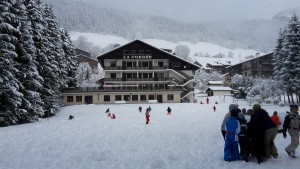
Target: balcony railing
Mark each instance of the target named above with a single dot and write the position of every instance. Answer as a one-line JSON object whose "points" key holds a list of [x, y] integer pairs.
{"points": [[136, 79], [135, 68], [121, 89]]}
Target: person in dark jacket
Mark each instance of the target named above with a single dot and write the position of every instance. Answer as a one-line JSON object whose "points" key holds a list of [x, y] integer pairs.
{"points": [[256, 135], [262, 132], [232, 128], [169, 111], [140, 109], [292, 125], [243, 138]]}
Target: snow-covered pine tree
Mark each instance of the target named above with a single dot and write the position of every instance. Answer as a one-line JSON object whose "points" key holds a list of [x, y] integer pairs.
{"points": [[56, 51], [70, 56], [46, 69], [54, 72], [10, 96], [27, 74], [291, 46]]}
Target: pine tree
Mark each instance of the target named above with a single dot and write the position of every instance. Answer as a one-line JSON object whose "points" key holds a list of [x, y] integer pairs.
{"points": [[27, 74], [291, 47], [70, 56], [10, 95]]}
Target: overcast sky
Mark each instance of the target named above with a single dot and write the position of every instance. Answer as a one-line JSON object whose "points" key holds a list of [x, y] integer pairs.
{"points": [[201, 10]]}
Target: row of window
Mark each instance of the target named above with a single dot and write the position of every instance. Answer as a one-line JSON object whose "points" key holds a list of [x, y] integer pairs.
{"points": [[143, 64], [135, 97], [71, 98], [141, 75], [119, 98]]}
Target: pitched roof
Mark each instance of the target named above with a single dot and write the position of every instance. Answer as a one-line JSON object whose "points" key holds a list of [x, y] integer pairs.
{"points": [[137, 40], [250, 60]]}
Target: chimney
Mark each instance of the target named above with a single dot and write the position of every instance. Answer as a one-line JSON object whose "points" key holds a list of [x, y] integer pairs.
{"points": [[257, 55]]}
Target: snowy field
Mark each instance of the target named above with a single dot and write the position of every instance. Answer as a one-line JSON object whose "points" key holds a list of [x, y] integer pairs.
{"points": [[188, 139]]}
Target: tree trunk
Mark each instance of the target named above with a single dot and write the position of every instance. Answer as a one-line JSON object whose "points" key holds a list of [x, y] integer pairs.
{"points": [[292, 94], [288, 97]]}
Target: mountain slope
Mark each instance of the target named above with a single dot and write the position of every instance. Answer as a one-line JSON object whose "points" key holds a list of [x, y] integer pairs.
{"points": [[79, 16]]}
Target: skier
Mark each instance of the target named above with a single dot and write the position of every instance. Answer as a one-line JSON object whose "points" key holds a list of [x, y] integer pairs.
{"points": [[201, 102], [71, 117], [140, 109], [107, 110], [109, 115], [147, 116], [216, 102], [232, 128], [207, 100], [169, 111], [214, 108], [292, 125]]}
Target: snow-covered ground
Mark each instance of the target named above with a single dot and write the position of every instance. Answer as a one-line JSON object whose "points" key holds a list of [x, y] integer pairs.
{"points": [[188, 139], [203, 47]]}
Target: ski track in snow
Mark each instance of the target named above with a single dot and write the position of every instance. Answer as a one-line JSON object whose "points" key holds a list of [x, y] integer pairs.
{"points": [[188, 139]]}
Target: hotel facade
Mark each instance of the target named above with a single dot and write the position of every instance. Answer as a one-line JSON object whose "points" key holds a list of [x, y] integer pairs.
{"points": [[138, 73]]}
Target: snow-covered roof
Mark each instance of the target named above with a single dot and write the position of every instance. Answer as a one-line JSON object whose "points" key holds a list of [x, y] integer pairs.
{"points": [[153, 47], [249, 60], [215, 82], [220, 88]]}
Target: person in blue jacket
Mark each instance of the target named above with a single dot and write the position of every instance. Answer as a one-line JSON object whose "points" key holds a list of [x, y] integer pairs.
{"points": [[232, 128]]}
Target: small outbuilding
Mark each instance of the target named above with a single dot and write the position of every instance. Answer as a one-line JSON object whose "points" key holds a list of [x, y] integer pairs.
{"points": [[218, 91]]}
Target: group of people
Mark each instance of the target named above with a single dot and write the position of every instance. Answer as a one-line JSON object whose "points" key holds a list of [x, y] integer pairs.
{"points": [[111, 115], [147, 113], [256, 137]]}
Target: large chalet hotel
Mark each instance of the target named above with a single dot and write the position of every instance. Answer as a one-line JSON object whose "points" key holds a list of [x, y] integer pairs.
{"points": [[139, 73]]}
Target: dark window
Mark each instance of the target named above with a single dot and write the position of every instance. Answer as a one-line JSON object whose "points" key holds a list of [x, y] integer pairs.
{"points": [[151, 97], [113, 75], [118, 97], [129, 75], [113, 64], [133, 51], [134, 75], [143, 97], [145, 75], [145, 64], [160, 75], [107, 98], [160, 64], [148, 51], [78, 98], [135, 98], [127, 97], [69, 98], [141, 51], [125, 51], [170, 97], [129, 64], [134, 64]]}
